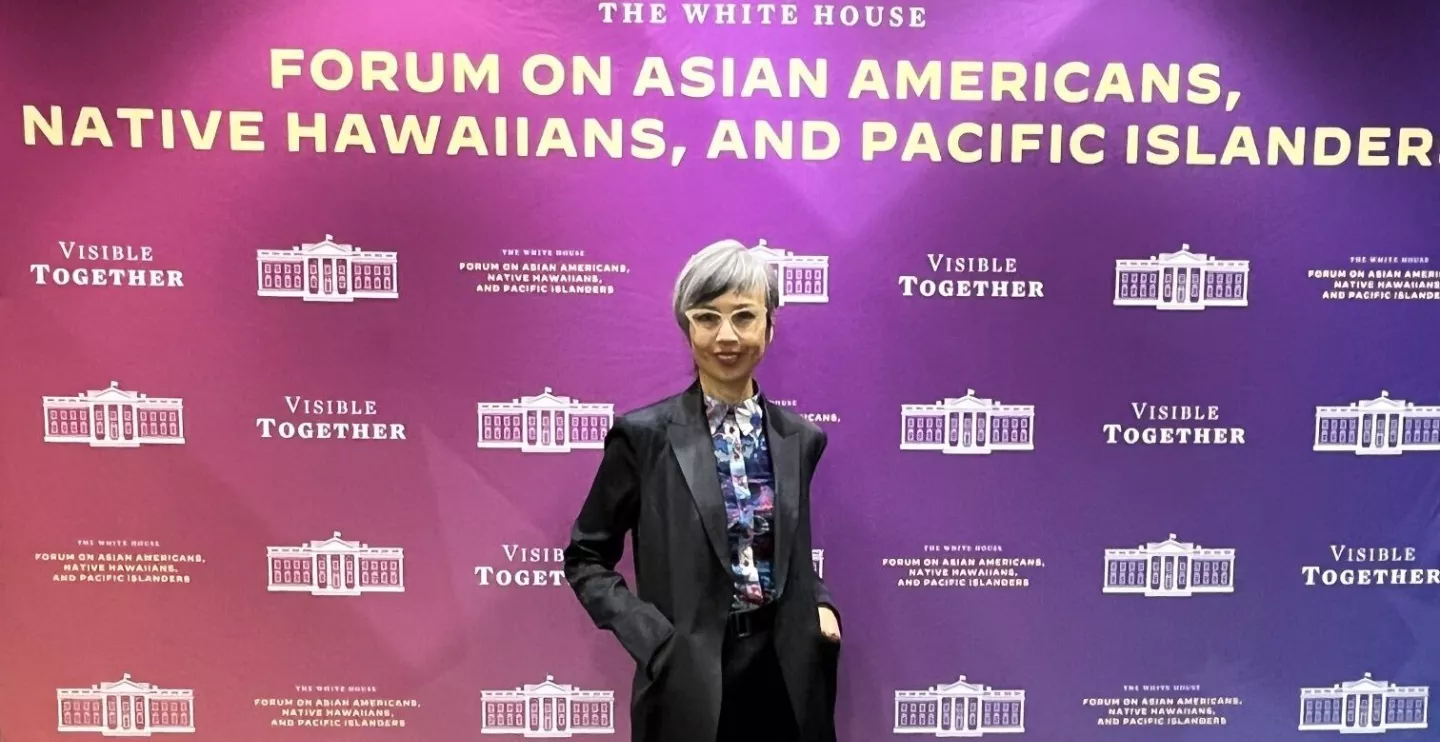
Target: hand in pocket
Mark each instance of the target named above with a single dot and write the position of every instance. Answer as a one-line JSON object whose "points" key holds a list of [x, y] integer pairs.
{"points": [[829, 625], [659, 659]]}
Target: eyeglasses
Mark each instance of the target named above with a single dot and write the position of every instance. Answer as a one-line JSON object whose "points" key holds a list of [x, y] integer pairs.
{"points": [[743, 321]]}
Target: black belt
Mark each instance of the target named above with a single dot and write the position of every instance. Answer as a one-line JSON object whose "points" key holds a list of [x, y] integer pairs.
{"points": [[750, 622]]}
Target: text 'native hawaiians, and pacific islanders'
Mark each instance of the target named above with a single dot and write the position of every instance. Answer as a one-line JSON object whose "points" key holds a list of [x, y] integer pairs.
{"points": [[955, 134]]}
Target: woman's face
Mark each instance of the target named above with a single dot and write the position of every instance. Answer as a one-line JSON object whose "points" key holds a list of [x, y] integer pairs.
{"points": [[728, 336]]}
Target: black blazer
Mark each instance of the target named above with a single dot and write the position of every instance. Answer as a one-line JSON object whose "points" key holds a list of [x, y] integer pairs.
{"points": [[657, 480]]}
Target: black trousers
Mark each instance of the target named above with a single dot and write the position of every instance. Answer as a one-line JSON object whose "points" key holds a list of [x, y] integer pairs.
{"points": [[754, 704]]}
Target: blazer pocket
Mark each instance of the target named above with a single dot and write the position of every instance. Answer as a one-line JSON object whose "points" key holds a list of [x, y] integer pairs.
{"points": [[660, 659], [642, 633]]}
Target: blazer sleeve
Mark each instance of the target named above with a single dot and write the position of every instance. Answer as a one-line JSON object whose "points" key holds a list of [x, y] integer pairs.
{"points": [[822, 591], [597, 541]]}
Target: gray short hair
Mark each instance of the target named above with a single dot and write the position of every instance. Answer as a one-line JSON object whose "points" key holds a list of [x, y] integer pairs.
{"points": [[718, 269]]}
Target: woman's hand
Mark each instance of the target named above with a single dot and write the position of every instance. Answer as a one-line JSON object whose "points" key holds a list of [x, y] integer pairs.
{"points": [[829, 625]]}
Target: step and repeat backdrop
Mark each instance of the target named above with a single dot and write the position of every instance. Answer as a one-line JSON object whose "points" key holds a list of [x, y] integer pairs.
{"points": [[1120, 317]]}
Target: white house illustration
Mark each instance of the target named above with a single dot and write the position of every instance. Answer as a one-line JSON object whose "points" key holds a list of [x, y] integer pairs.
{"points": [[544, 423], [125, 708], [327, 271], [1364, 706], [547, 710], [1377, 427], [114, 418], [1182, 280], [803, 279], [967, 425], [334, 566], [959, 709], [1169, 569]]}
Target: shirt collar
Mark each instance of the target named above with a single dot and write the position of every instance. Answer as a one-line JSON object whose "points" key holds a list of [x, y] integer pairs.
{"points": [[749, 414]]}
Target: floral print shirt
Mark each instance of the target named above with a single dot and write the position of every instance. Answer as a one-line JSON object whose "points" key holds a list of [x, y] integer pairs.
{"points": [[742, 462]]}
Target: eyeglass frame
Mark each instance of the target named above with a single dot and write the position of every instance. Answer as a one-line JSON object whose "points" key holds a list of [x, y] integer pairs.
{"points": [[727, 317]]}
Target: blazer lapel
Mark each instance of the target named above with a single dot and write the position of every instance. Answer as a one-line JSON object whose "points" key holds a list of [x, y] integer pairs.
{"points": [[785, 460], [694, 449]]}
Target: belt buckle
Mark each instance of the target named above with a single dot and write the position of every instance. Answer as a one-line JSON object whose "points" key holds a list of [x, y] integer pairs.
{"points": [[743, 625]]}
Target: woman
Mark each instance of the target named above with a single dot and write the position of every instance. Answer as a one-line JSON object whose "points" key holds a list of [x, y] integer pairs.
{"points": [[733, 634]]}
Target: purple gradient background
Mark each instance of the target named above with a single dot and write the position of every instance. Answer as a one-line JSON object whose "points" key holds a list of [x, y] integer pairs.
{"points": [[430, 356]]}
